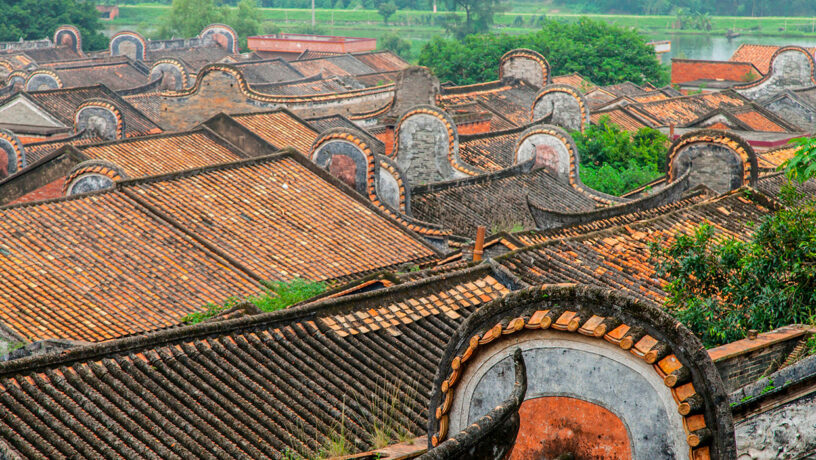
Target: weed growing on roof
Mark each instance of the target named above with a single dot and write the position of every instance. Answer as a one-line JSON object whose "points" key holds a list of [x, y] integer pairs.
{"points": [[388, 406], [276, 295]]}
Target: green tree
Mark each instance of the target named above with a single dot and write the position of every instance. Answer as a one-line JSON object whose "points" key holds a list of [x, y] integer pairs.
{"points": [[187, 18], [35, 19], [478, 15], [386, 9], [721, 287], [615, 161], [802, 166], [604, 53], [394, 43], [244, 19]]}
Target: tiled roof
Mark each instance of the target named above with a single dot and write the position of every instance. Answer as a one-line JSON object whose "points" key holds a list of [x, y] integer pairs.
{"points": [[43, 55], [772, 184], [115, 75], [280, 128], [575, 80], [514, 101], [685, 109], [270, 71], [627, 89], [618, 258], [147, 103], [685, 70], [538, 236], [247, 388], [302, 87], [164, 153], [309, 54], [774, 158], [490, 152], [621, 117], [497, 201], [63, 103], [196, 57], [321, 124], [382, 61], [283, 220], [99, 267], [376, 79], [340, 65], [39, 150], [759, 122], [759, 55]]}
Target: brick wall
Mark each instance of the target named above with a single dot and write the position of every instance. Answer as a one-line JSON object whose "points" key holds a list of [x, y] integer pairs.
{"points": [[744, 361]]}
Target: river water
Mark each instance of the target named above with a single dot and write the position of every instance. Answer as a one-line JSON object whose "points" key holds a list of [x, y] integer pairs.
{"points": [[718, 48]]}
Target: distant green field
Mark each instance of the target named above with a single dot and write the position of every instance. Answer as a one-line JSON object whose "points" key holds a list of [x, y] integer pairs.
{"points": [[416, 27]]}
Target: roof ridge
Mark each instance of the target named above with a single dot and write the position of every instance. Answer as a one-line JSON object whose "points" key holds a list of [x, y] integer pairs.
{"points": [[321, 307], [640, 223]]}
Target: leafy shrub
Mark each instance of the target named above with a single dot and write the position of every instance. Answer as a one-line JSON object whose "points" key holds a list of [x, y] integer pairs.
{"points": [[721, 287], [614, 161], [276, 295], [604, 53]]}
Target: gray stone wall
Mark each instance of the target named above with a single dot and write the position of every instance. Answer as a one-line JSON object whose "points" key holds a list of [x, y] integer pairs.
{"points": [[714, 166], [794, 112], [790, 70], [787, 432], [564, 107], [549, 153], [524, 68], [414, 86], [424, 145]]}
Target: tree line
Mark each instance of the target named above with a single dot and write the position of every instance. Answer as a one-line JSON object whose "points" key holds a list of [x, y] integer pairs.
{"points": [[719, 8]]}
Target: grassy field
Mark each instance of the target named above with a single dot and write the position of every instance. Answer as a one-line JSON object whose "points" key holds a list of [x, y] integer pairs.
{"points": [[416, 26]]}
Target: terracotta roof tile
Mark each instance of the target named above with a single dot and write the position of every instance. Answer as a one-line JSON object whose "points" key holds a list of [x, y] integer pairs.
{"points": [[164, 153], [114, 75], [269, 71], [196, 57], [618, 258], [273, 383], [621, 117], [575, 80], [280, 129], [283, 220], [490, 152], [330, 66], [100, 267], [774, 158], [382, 61], [511, 101], [759, 122], [759, 55], [685, 109], [685, 70], [63, 103]]}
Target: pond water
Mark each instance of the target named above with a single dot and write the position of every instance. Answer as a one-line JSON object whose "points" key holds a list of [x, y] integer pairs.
{"points": [[718, 48]]}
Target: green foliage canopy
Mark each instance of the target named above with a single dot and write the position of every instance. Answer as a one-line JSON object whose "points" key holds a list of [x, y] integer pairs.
{"points": [[604, 53], [615, 161], [35, 19], [187, 18], [394, 43], [386, 9], [721, 287]]}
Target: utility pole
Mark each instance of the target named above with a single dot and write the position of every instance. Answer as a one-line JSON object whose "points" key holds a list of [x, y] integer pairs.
{"points": [[313, 14]]}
